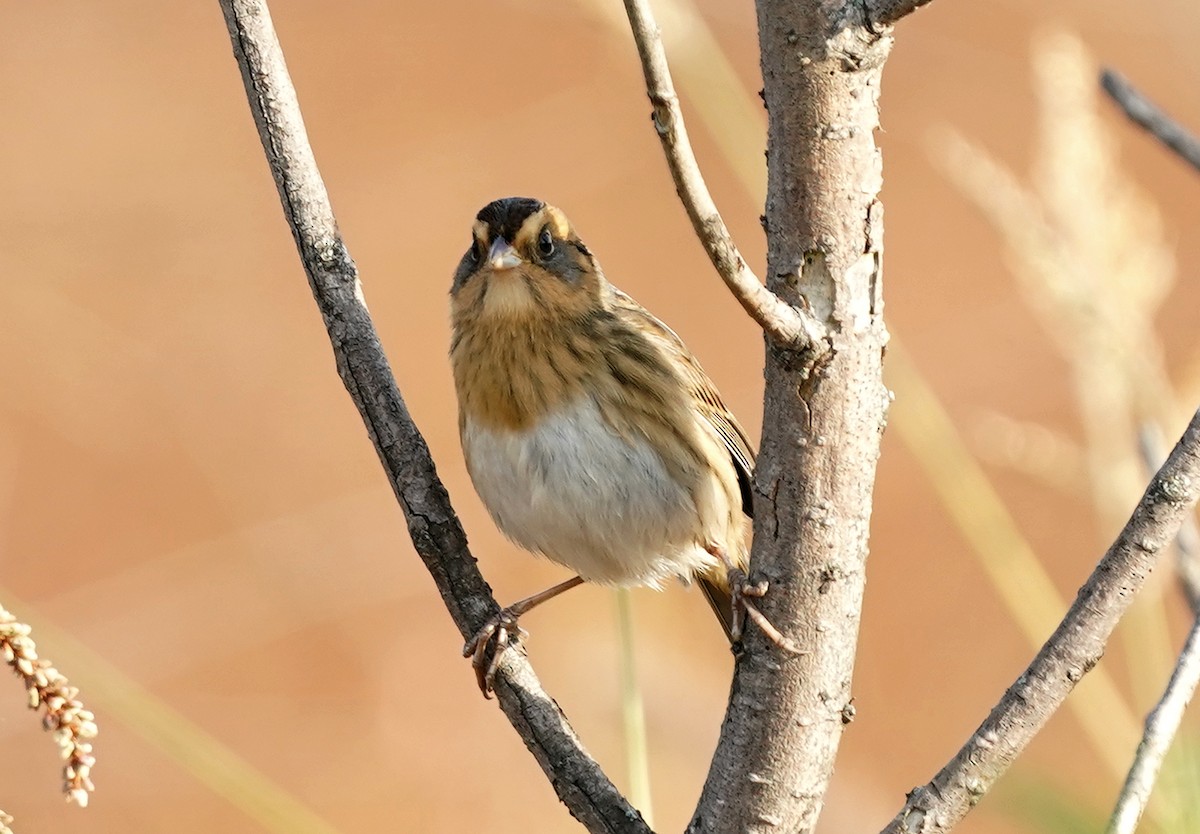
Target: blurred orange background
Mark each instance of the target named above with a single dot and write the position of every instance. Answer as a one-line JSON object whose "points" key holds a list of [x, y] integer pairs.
{"points": [[188, 494]]}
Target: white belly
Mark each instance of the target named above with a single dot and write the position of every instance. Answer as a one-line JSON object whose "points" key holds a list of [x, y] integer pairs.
{"points": [[583, 496]]}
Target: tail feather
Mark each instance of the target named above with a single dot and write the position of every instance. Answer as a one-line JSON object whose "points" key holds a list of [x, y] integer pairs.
{"points": [[720, 601]]}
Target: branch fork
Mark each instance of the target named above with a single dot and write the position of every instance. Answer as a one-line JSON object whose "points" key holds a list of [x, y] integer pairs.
{"points": [[786, 325]]}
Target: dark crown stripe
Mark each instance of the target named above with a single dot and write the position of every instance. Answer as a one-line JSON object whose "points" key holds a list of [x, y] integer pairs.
{"points": [[504, 217]]}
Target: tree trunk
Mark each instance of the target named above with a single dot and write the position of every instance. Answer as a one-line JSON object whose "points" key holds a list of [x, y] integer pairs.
{"points": [[821, 66]]}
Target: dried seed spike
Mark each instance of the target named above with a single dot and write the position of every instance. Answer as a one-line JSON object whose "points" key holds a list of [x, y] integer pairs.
{"points": [[63, 715]]}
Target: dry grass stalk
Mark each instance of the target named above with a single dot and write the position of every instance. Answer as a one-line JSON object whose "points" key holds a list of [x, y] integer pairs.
{"points": [[63, 714], [1089, 253]]}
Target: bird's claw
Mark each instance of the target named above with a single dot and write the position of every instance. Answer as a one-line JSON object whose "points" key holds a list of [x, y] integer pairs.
{"points": [[504, 629], [742, 591]]}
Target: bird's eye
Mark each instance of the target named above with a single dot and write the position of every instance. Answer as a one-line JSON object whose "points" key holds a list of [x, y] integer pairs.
{"points": [[545, 244], [473, 252]]}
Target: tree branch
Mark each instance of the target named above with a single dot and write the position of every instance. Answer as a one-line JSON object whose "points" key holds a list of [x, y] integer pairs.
{"points": [[1075, 647], [1147, 114], [787, 325], [1187, 540], [435, 530], [886, 12]]}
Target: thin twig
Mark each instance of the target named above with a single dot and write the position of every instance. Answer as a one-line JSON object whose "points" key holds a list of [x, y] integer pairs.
{"points": [[1161, 726], [786, 325], [435, 530], [887, 12], [1147, 114], [1074, 648]]}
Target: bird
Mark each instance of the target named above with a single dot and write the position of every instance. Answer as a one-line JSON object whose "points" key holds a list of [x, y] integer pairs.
{"points": [[590, 432]]}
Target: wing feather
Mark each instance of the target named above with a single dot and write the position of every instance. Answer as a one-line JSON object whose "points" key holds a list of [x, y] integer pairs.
{"points": [[709, 402]]}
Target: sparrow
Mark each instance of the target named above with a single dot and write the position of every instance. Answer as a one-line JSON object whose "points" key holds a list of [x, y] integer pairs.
{"points": [[590, 431]]}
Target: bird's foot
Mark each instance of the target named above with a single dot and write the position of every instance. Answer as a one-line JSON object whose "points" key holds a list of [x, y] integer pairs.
{"points": [[743, 593], [504, 629], [499, 632]]}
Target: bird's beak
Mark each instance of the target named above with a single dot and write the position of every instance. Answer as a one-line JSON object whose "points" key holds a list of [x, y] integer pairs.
{"points": [[502, 255]]}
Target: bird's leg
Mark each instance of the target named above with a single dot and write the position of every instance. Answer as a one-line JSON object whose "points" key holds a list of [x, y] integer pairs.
{"points": [[743, 591], [503, 626]]}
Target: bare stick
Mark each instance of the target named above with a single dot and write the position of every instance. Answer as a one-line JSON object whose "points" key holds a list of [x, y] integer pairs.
{"points": [[1161, 726], [435, 530], [887, 12], [786, 325], [1142, 111], [1074, 648]]}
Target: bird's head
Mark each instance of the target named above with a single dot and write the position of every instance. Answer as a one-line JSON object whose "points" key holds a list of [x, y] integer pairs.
{"points": [[525, 260]]}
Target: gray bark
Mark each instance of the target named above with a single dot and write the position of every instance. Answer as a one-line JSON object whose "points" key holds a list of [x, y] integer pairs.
{"points": [[823, 420]]}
